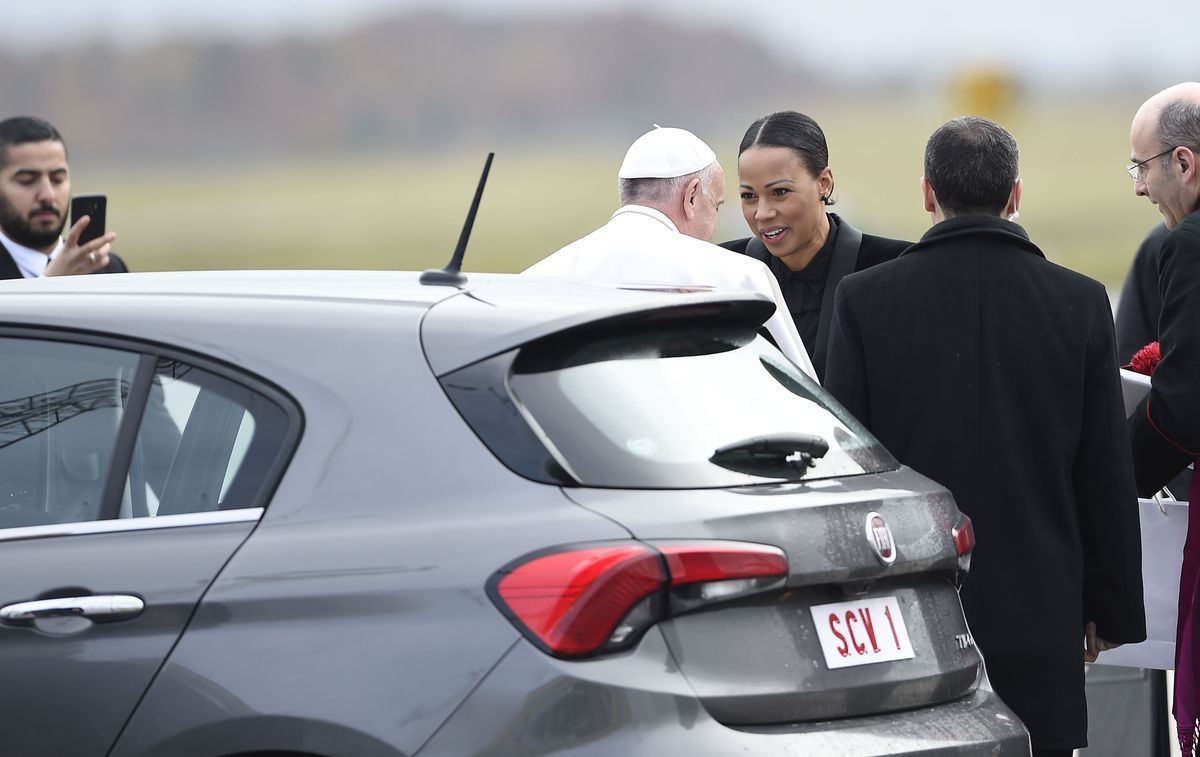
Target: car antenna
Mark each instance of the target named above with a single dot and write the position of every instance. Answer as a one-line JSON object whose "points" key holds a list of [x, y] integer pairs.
{"points": [[451, 275]]}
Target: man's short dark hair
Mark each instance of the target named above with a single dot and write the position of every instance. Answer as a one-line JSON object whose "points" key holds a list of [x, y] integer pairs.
{"points": [[21, 130], [1179, 126], [971, 163]]}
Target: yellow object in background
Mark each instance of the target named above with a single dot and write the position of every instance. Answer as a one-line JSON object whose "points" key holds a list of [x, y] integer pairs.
{"points": [[985, 91]]}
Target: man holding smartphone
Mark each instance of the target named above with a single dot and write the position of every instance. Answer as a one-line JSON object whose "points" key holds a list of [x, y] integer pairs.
{"points": [[35, 192]]}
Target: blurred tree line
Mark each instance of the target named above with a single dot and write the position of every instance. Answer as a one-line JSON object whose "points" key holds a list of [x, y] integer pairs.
{"points": [[414, 81]]}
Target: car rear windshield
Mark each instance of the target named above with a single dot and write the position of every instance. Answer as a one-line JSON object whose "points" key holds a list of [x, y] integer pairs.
{"points": [[685, 408]]}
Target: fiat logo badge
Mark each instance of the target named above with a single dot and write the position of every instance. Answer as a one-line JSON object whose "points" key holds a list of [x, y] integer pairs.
{"points": [[880, 537]]}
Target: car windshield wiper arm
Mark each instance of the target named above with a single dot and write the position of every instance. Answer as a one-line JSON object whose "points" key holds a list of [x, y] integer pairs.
{"points": [[788, 453]]}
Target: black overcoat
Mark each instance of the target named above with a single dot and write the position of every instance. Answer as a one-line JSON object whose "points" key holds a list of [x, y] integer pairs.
{"points": [[1137, 312], [993, 371], [1166, 426]]}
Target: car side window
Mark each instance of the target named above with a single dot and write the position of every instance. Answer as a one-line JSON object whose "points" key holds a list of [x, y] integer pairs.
{"points": [[205, 443], [202, 442], [61, 407]]}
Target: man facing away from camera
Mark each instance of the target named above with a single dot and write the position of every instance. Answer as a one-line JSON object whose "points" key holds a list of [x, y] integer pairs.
{"points": [[35, 194], [671, 186], [982, 365]]}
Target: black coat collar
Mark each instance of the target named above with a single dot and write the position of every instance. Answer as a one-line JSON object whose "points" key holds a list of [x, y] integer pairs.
{"points": [[8, 266], [976, 226]]}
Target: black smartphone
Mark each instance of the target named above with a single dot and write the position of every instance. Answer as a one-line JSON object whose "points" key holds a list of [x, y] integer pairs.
{"points": [[92, 206]]}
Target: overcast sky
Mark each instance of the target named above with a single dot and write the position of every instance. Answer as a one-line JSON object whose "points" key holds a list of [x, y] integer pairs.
{"points": [[1087, 41]]}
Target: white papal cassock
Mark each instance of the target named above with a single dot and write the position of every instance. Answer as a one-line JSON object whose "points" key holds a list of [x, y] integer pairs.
{"points": [[640, 245]]}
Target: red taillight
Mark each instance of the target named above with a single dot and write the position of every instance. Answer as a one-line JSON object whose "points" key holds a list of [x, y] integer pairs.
{"points": [[573, 601], [602, 598], [964, 542], [964, 537], [721, 561]]}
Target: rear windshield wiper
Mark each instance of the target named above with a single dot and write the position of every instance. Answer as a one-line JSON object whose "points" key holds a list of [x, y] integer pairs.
{"points": [[773, 455]]}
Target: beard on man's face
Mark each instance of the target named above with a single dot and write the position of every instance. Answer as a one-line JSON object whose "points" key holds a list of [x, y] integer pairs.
{"points": [[19, 230]]}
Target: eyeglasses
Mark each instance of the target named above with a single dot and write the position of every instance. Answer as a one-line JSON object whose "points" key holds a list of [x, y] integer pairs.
{"points": [[1135, 170]]}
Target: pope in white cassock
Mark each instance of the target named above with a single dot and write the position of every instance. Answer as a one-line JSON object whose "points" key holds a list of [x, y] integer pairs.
{"points": [[671, 186]]}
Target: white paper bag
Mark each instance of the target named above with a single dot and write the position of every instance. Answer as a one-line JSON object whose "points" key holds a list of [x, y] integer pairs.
{"points": [[1134, 386], [1164, 528]]}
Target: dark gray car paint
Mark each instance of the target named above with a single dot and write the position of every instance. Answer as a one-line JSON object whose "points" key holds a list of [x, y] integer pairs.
{"points": [[818, 524], [73, 683], [528, 706], [374, 544], [772, 669], [330, 631]]}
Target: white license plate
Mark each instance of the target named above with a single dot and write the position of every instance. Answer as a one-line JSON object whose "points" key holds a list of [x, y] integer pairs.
{"points": [[862, 632]]}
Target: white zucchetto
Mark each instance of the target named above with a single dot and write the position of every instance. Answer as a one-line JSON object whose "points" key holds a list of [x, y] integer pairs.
{"points": [[663, 153]]}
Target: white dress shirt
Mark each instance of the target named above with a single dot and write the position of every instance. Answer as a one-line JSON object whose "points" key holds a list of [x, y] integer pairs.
{"points": [[640, 245], [32, 263]]}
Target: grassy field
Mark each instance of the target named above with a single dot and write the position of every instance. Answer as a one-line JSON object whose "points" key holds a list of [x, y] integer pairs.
{"points": [[405, 211]]}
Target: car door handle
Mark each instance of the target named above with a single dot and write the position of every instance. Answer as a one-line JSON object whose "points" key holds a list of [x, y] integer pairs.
{"points": [[99, 608]]}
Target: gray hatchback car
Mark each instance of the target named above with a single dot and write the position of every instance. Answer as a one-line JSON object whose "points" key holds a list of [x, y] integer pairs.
{"points": [[346, 513]]}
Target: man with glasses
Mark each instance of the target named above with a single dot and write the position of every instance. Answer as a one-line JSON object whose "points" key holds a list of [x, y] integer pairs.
{"points": [[1165, 427]]}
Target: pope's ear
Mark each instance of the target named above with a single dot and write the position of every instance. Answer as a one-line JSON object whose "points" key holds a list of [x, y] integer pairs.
{"points": [[690, 193]]}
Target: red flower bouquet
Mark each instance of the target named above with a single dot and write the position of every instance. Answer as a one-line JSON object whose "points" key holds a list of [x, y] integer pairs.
{"points": [[1145, 360]]}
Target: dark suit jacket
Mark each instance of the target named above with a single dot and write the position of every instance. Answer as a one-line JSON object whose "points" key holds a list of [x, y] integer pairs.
{"points": [[1137, 325], [1138, 309], [872, 250], [9, 269], [982, 365], [1165, 428]]}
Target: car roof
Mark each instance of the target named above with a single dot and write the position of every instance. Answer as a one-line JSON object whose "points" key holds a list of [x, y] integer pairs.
{"points": [[394, 286], [376, 286]]}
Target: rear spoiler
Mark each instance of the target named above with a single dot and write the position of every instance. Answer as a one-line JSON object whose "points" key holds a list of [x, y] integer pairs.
{"points": [[478, 324]]}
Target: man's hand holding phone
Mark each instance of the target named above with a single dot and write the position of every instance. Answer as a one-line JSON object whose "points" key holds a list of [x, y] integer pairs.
{"points": [[87, 243]]}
